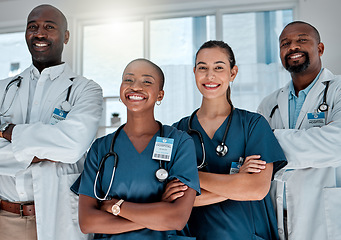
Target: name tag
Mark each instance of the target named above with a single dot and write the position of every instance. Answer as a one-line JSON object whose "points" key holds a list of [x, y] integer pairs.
{"points": [[316, 119], [235, 166], [163, 149], [57, 116]]}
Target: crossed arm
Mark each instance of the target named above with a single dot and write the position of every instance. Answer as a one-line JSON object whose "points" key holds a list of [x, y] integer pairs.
{"points": [[251, 183], [95, 217]]}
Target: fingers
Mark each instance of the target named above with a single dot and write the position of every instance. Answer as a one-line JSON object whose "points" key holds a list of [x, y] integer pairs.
{"points": [[253, 164], [174, 190]]}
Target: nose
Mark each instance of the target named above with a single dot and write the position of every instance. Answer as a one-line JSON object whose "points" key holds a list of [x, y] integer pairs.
{"points": [[294, 46], [40, 32], [136, 85], [210, 74]]}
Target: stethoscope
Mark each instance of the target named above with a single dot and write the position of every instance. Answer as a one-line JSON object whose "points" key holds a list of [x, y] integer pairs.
{"points": [[65, 105], [221, 149], [16, 80], [161, 174], [323, 107]]}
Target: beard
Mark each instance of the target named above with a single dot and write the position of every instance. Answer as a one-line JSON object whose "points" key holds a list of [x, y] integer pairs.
{"points": [[297, 68]]}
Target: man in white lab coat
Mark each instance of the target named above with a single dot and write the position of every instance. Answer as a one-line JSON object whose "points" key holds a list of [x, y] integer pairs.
{"points": [[49, 117], [306, 118]]}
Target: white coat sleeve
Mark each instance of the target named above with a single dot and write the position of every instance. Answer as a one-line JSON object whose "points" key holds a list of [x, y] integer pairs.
{"points": [[67, 140], [316, 147]]}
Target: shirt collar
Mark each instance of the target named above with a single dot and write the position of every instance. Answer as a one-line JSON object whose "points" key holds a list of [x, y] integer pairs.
{"points": [[306, 90], [52, 72]]}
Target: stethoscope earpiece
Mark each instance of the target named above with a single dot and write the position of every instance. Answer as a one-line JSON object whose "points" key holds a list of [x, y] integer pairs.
{"points": [[221, 150]]}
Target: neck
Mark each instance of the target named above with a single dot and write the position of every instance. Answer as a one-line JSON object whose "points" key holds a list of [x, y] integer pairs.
{"points": [[214, 107], [41, 66], [304, 79], [140, 124]]}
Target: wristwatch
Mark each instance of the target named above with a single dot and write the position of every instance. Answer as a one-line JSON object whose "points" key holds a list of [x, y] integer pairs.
{"points": [[3, 128], [116, 208]]}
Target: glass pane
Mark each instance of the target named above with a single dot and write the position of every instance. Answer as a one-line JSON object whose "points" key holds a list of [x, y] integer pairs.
{"points": [[253, 37], [14, 57], [108, 48], [173, 44]]}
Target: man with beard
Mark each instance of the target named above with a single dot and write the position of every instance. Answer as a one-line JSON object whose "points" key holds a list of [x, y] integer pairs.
{"points": [[49, 117], [306, 118]]}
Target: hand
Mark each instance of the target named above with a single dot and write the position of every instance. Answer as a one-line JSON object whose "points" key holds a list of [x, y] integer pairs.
{"points": [[174, 189], [107, 205], [38, 160], [252, 164]]}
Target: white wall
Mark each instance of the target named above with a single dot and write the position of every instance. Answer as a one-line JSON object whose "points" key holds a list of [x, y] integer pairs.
{"points": [[321, 13]]}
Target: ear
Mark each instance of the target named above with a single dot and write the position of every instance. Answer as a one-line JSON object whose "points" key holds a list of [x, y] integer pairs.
{"points": [[194, 70], [66, 36], [160, 95], [320, 49], [234, 72]]}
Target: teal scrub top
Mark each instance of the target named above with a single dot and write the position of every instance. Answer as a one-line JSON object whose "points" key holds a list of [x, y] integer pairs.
{"points": [[135, 179], [249, 134]]}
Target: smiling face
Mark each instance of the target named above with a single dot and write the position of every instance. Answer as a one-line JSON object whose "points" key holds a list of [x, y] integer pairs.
{"points": [[213, 72], [141, 86], [300, 48], [46, 34]]}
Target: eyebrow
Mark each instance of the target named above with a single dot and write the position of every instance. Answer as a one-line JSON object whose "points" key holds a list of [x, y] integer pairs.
{"points": [[143, 75], [48, 21], [299, 35], [214, 63]]}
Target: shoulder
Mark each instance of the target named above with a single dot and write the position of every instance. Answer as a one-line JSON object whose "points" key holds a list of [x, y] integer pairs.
{"points": [[175, 133], [182, 124], [80, 81], [335, 80], [250, 120]]}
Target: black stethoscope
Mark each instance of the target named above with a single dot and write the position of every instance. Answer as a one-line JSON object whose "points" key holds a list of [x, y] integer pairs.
{"points": [[65, 106], [323, 107], [16, 80], [161, 174], [221, 149]]}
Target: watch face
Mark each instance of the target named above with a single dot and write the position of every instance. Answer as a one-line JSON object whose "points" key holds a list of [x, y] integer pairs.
{"points": [[115, 209]]}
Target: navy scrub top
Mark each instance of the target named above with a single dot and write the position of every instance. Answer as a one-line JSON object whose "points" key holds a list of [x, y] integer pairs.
{"points": [[249, 134], [135, 179]]}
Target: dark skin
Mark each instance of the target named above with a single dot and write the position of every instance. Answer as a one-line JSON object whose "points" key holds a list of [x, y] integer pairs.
{"points": [[296, 41], [139, 91], [46, 34]]}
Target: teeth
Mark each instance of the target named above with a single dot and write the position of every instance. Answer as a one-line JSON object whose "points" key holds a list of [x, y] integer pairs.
{"points": [[41, 44], [134, 97], [296, 56], [211, 85]]}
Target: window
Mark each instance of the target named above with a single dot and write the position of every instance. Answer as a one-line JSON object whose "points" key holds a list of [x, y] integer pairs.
{"points": [[172, 43], [14, 57]]}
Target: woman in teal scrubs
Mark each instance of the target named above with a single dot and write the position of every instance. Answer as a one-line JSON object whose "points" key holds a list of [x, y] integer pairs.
{"points": [[135, 210], [233, 204]]}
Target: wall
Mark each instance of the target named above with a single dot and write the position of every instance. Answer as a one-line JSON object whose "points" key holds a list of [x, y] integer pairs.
{"points": [[321, 13]]}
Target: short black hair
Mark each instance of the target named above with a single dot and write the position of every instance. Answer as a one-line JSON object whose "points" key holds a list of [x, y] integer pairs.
{"points": [[317, 34]]}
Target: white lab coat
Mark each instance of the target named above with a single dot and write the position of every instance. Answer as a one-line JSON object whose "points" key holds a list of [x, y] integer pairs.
{"points": [[66, 142], [313, 188]]}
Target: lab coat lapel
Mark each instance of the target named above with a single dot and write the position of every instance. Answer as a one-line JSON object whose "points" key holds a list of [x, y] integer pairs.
{"points": [[24, 92], [283, 105], [311, 102], [60, 85]]}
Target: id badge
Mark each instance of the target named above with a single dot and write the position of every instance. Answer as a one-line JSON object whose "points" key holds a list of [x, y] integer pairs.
{"points": [[316, 119], [163, 149], [57, 116], [235, 166]]}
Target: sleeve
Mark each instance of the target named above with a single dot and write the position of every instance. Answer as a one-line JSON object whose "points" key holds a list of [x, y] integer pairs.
{"points": [[85, 183], [184, 165], [66, 141], [316, 147], [262, 141]]}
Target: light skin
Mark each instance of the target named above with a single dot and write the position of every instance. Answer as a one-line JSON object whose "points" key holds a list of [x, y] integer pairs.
{"points": [[139, 91], [213, 75], [46, 33], [294, 41]]}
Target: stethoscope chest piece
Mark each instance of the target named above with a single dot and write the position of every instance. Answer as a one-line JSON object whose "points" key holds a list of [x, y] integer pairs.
{"points": [[161, 174], [66, 106], [323, 107], [221, 150]]}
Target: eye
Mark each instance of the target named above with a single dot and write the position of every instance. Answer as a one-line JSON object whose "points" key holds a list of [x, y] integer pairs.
{"points": [[31, 27], [285, 44], [303, 40], [50, 27], [148, 81], [202, 68], [127, 80], [219, 68]]}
